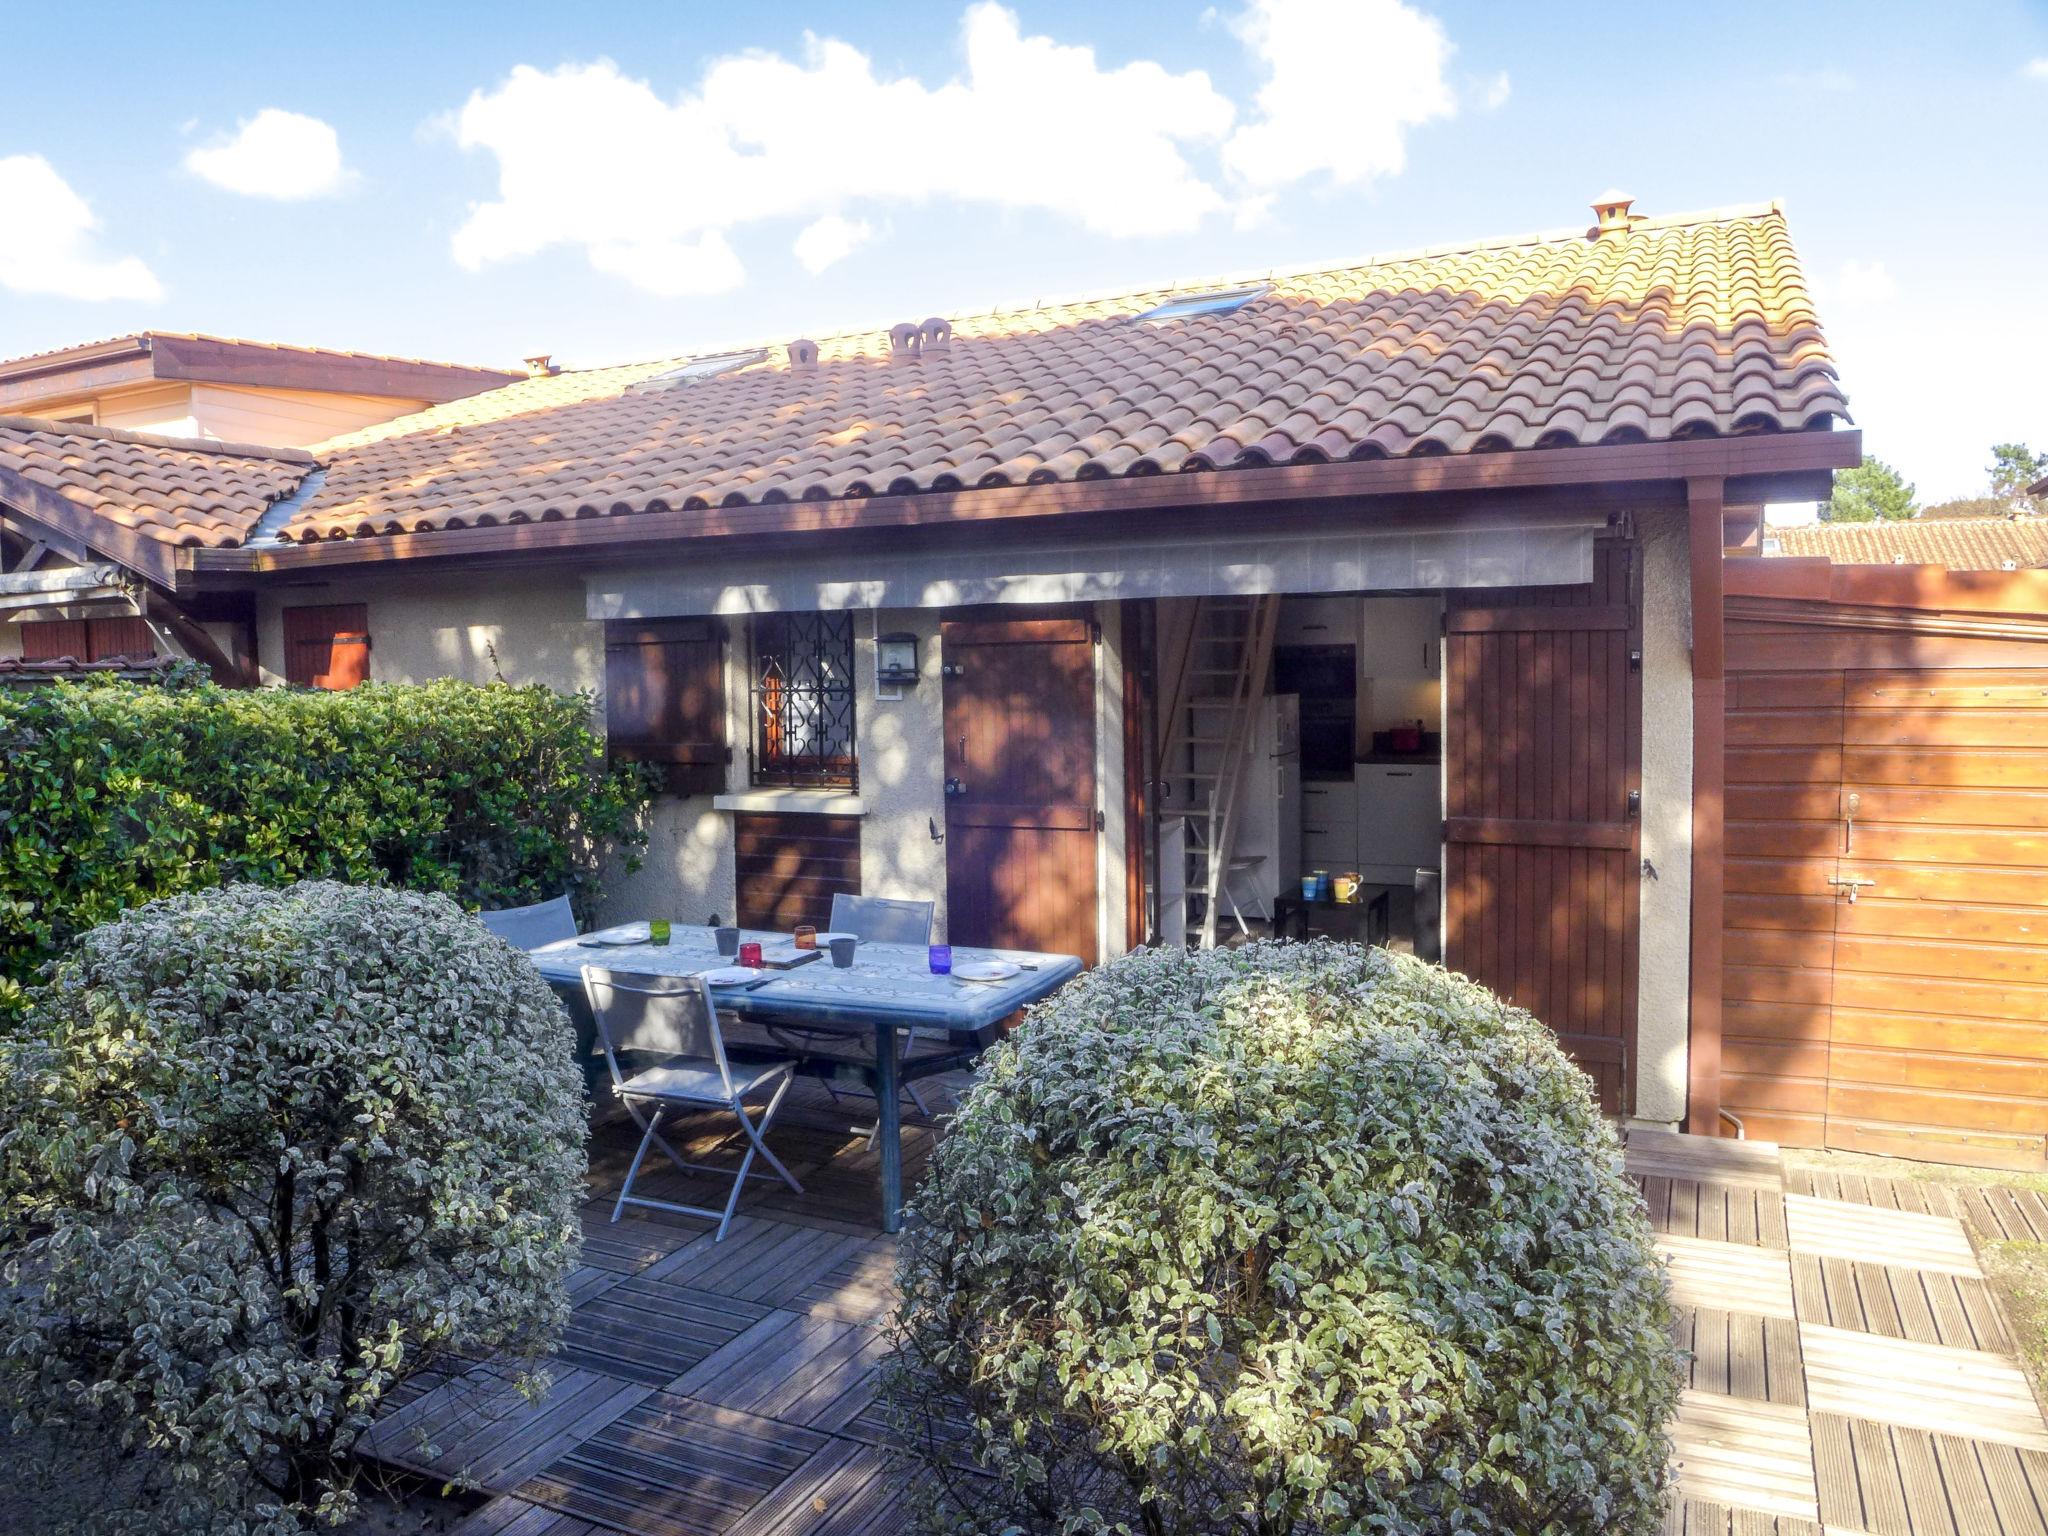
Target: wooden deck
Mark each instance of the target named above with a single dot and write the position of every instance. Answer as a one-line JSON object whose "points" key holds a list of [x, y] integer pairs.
{"points": [[1850, 1371]]}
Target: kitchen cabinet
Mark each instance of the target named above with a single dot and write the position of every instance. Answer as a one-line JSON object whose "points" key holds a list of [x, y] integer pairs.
{"points": [[1329, 824], [1400, 819], [1399, 636], [1317, 621]]}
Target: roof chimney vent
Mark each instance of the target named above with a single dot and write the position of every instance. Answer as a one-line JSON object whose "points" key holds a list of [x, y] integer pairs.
{"points": [[1611, 212], [903, 340], [802, 352], [540, 366]]}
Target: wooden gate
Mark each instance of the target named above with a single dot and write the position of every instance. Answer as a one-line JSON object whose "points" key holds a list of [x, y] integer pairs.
{"points": [[1542, 754], [1021, 813], [1886, 934]]}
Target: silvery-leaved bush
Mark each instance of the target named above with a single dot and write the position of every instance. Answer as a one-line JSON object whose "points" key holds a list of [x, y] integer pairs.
{"points": [[1282, 1239], [266, 1155]]}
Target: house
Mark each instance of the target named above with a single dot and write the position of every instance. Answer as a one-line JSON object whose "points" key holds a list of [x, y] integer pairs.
{"points": [[1953, 543], [180, 385], [1001, 609]]}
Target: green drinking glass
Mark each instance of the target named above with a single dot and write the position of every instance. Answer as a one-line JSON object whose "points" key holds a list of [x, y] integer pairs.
{"points": [[657, 931]]}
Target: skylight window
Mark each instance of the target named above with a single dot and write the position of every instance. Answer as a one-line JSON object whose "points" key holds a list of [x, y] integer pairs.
{"points": [[706, 367], [1223, 302]]}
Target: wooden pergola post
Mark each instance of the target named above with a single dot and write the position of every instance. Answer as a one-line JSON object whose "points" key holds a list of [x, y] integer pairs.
{"points": [[1704, 510]]}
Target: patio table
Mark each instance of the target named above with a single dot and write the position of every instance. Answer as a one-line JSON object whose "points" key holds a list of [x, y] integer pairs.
{"points": [[888, 987]]}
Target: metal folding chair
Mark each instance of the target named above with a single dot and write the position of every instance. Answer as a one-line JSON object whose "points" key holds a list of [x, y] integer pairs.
{"points": [[882, 919], [872, 920], [673, 1017], [544, 922]]}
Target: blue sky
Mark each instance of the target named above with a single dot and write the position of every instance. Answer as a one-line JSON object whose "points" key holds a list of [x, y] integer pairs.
{"points": [[476, 183]]}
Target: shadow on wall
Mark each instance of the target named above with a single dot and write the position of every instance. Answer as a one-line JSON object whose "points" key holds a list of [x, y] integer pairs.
{"points": [[902, 767]]}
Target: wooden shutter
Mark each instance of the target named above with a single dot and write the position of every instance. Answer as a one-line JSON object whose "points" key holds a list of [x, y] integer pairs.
{"points": [[327, 646], [52, 639], [1542, 753], [664, 684], [86, 639], [790, 866]]}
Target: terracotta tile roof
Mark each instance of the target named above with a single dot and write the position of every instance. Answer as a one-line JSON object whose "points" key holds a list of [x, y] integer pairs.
{"points": [[1670, 328], [17, 669], [1960, 543], [1675, 327], [177, 490]]}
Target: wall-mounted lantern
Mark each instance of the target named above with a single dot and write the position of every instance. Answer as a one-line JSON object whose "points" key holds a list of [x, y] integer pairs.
{"points": [[895, 661]]}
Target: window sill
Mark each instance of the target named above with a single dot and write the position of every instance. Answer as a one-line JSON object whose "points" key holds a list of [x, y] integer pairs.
{"points": [[816, 802]]}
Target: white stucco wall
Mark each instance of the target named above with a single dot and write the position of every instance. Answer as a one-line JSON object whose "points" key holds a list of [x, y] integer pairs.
{"points": [[1663, 970], [900, 743], [527, 628]]}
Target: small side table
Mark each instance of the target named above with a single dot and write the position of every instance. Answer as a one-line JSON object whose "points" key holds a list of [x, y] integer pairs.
{"points": [[1362, 921]]}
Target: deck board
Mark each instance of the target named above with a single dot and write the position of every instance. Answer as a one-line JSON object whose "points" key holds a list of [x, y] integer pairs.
{"points": [[1846, 1230], [1849, 1373], [1920, 1386]]}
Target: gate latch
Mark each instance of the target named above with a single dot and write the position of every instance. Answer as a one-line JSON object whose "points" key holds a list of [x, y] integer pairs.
{"points": [[1850, 883], [1635, 804], [956, 787]]}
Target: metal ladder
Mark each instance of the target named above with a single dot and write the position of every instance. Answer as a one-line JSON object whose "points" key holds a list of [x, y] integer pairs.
{"points": [[1219, 678]]}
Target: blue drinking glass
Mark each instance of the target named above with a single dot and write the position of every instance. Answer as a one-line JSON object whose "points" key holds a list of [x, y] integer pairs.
{"points": [[942, 959]]}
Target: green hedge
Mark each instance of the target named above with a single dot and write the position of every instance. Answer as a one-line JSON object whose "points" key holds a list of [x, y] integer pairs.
{"points": [[116, 793]]}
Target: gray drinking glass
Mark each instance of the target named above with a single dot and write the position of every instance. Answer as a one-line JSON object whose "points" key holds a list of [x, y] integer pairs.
{"points": [[842, 952], [728, 941]]}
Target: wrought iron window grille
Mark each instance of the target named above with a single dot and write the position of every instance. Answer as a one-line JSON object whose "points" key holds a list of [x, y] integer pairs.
{"points": [[802, 698]]}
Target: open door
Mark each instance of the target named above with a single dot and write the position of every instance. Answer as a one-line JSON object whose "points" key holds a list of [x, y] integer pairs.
{"points": [[1020, 783], [1542, 769]]}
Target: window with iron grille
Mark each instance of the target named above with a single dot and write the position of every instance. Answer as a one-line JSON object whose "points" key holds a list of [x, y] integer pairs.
{"points": [[803, 700]]}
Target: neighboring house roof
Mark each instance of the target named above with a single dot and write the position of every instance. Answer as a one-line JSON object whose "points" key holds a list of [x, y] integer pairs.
{"points": [[149, 356], [2039, 487], [1960, 543], [1646, 330]]}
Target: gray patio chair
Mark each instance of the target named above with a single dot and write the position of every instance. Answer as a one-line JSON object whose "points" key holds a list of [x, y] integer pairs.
{"points": [[674, 1018], [882, 920], [530, 927], [872, 920]]}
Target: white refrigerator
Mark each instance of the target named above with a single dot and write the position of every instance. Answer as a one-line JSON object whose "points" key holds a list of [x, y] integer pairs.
{"points": [[1268, 857]]}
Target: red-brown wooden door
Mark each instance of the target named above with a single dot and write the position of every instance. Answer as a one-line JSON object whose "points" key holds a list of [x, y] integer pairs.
{"points": [[1542, 751], [1020, 780]]}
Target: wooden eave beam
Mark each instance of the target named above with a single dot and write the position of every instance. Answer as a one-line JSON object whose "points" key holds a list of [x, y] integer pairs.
{"points": [[1795, 457], [67, 524]]}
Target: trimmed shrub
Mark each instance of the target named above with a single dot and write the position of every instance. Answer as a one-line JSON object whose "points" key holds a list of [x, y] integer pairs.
{"points": [[117, 793], [266, 1155], [1283, 1238]]}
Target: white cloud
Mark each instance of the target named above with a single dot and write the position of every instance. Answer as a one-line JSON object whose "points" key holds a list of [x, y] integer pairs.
{"points": [[49, 245], [275, 154], [1864, 283], [2036, 69], [1497, 91], [1345, 81], [650, 188], [830, 239]]}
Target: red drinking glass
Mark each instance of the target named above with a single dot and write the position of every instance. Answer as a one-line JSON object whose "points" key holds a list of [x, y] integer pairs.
{"points": [[750, 956]]}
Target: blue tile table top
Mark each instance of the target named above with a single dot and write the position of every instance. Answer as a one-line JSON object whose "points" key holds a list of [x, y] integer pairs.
{"points": [[887, 983]]}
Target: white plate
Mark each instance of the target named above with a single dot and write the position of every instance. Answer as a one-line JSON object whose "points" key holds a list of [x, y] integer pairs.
{"points": [[826, 938], [612, 940], [733, 975], [987, 970]]}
